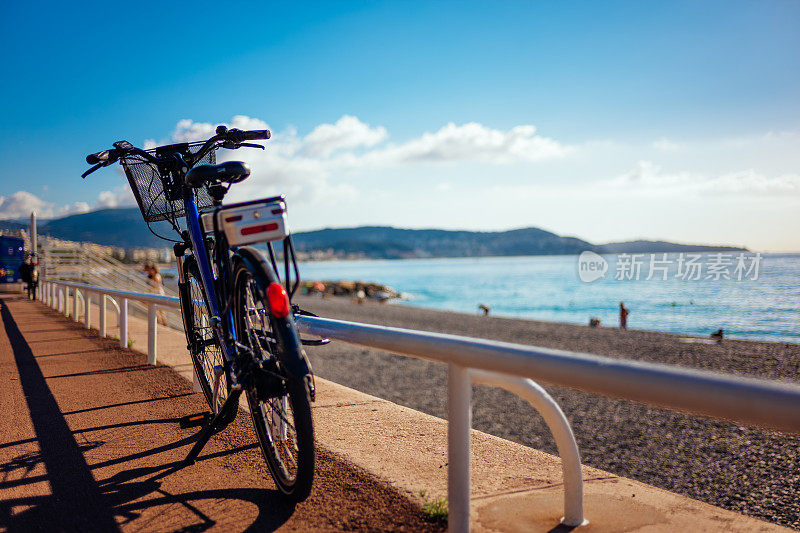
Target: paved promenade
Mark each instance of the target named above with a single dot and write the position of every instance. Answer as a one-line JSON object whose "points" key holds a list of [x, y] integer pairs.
{"points": [[90, 442]]}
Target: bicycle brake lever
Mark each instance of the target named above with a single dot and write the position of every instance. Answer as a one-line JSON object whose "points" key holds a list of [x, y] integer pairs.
{"points": [[98, 165], [231, 145]]}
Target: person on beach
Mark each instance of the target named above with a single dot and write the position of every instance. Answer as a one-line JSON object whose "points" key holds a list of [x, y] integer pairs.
{"points": [[157, 286], [623, 316]]}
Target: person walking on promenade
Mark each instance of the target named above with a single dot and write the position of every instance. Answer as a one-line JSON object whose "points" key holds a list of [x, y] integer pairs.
{"points": [[157, 286], [623, 316]]}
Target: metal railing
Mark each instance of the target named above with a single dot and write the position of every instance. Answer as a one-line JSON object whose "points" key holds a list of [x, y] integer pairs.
{"points": [[94, 265], [751, 401], [89, 264], [55, 293]]}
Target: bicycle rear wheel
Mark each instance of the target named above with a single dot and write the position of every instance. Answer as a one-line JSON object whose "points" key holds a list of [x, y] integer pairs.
{"points": [[204, 347], [279, 401]]}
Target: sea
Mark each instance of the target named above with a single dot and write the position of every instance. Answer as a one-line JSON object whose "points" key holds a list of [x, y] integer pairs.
{"points": [[749, 296]]}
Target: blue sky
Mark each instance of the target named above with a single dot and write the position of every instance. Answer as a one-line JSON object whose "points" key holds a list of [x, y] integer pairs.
{"points": [[612, 120]]}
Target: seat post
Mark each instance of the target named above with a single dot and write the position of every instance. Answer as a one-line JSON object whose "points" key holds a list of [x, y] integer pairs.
{"points": [[217, 192]]}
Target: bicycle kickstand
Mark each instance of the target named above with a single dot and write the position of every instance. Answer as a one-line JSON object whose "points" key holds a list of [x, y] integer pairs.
{"points": [[217, 424]]}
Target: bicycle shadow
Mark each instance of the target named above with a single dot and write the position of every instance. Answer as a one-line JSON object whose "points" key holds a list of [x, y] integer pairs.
{"points": [[129, 494]]}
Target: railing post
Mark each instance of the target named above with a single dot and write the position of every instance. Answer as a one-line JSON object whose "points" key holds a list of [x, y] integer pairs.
{"points": [[66, 301], [87, 304], [75, 293], [102, 304], [459, 416], [123, 323], [152, 324], [529, 390]]}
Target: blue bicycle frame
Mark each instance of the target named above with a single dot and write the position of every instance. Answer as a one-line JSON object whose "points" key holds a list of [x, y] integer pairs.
{"points": [[207, 277]]}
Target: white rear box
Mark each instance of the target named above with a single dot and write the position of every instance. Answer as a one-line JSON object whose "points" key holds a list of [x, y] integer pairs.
{"points": [[250, 223]]}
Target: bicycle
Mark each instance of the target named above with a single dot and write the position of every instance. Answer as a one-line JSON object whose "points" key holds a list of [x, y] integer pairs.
{"points": [[237, 312]]}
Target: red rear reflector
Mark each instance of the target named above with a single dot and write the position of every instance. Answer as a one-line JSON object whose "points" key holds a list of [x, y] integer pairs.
{"points": [[235, 218], [259, 229], [278, 300]]}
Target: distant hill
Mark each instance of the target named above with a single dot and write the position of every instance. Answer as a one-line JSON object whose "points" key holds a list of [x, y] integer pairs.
{"points": [[10, 225], [126, 229], [637, 247], [112, 227], [395, 243]]}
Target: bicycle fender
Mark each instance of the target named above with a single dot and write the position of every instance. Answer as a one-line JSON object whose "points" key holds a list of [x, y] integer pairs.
{"points": [[299, 366]]}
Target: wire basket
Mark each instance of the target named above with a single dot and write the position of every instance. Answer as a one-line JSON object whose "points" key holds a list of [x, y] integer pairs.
{"points": [[158, 197]]}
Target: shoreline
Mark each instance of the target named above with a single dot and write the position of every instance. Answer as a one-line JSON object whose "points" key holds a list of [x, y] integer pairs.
{"points": [[748, 470], [465, 257], [408, 303]]}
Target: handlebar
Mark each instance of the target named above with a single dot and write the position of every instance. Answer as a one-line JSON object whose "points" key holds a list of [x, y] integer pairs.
{"points": [[225, 138], [102, 159]]}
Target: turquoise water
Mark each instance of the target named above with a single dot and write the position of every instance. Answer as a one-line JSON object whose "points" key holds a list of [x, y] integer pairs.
{"points": [[549, 288]]}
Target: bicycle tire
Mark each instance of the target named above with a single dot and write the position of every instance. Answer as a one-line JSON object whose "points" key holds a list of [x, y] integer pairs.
{"points": [[203, 345], [281, 415]]}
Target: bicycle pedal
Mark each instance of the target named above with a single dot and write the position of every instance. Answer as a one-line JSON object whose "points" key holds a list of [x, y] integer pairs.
{"points": [[199, 419]]}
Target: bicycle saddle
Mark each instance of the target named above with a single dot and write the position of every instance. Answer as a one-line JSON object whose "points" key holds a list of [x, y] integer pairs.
{"points": [[229, 171]]}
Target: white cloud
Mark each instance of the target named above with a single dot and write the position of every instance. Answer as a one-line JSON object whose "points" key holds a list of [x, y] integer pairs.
{"points": [[22, 203], [75, 208], [470, 142], [187, 130], [665, 144], [347, 132], [650, 178], [312, 167], [118, 197]]}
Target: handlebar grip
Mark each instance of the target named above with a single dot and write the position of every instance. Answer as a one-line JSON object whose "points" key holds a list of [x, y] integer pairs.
{"points": [[99, 157], [252, 135]]}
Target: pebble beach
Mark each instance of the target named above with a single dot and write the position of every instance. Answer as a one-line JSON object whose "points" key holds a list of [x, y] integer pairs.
{"points": [[752, 471]]}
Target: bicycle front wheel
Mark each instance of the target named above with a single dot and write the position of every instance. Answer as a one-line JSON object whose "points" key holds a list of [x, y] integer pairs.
{"points": [[204, 347], [279, 402]]}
